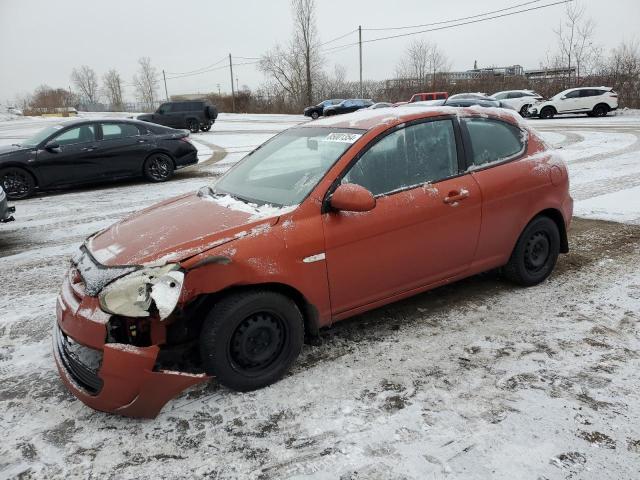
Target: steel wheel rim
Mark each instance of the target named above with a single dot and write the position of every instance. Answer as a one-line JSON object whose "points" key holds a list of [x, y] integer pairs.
{"points": [[159, 167], [15, 184], [537, 252], [257, 343]]}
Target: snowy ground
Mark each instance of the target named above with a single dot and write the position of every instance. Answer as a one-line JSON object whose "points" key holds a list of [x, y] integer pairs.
{"points": [[475, 380]]}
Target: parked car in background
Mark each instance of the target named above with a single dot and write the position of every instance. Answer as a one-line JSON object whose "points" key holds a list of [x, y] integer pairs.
{"points": [[423, 97], [519, 100], [5, 210], [467, 100], [82, 152], [468, 95], [347, 106], [244, 284], [195, 115], [316, 111], [14, 111], [380, 105], [594, 101]]}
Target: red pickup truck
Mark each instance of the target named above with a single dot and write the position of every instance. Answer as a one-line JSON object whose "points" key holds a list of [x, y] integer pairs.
{"points": [[421, 97]]}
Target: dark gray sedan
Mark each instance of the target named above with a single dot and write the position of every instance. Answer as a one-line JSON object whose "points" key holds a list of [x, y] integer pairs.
{"points": [[86, 151]]}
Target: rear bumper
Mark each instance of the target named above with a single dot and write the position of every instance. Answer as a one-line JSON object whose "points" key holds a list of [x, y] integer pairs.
{"points": [[190, 158], [119, 378]]}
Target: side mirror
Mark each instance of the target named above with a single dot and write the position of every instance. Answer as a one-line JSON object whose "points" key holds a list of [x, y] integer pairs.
{"points": [[53, 147], [350, 197], [563, 98]]}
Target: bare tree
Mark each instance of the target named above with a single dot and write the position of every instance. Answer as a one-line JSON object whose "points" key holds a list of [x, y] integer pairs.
{"points": [[85, 79], [113, 88], [146, 83], [575, 41], [305, 36], [421, 63], [294, 67]]}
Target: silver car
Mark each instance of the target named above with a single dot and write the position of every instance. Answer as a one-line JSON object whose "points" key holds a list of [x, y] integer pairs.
{"points": [[5, 210]]}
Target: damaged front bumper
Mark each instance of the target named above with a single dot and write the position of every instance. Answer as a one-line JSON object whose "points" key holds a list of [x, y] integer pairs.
{"points": [[110, 377]]}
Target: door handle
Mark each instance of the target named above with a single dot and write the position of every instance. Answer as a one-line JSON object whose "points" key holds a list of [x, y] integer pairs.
{"points": [[88, 149], [456, 196], [142, 141]]}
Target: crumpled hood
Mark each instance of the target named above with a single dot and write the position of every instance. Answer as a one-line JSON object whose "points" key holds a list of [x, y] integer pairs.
{"points": [[172, 231]]}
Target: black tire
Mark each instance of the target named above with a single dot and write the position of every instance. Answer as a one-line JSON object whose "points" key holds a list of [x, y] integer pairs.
{"points": [[250, 339], [206, 127], [158, 167], [17, 183], [315, 115], [524, 111], [600, 110], [193, 125], [535, 254], [547, 112]]}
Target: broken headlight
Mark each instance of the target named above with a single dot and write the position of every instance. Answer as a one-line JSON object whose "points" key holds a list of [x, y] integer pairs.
{"points": [[134, 294]]}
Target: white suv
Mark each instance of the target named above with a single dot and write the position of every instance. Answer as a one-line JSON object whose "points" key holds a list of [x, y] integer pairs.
{"points": [[594, 101], [519, 100]]}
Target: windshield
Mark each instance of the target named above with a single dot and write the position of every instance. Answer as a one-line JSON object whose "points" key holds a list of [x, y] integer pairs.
{"points": [[40, 136], [284, 170]]}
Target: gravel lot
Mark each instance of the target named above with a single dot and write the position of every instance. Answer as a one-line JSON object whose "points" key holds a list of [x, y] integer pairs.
{"points": [[479, 379]]}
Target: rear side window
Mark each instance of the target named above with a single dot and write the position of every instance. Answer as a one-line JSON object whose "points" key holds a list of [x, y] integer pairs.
{"points": [[111, 131], [408, 157], [574, 94], [441, 96], [493, 140], [195, 107]]}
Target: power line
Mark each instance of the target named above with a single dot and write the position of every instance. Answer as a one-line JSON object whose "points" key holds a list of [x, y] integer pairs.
{"points": [[456, 19], [341, 37], [337, 48], [198, 69], [197, 73]]}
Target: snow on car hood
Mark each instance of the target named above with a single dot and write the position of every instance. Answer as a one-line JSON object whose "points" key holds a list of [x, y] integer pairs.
{"points": [[180, 228]]}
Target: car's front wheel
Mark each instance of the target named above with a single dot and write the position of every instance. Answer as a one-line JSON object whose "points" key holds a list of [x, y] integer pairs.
{"points": [[250, 339], [193, 126], [524, 111], [535, 254], [547, 112], [158, 167], [315, 115], [17, 183]]}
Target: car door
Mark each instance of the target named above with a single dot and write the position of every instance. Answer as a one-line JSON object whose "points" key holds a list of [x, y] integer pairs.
{"points": [[586, 100], [75, 160], [122, 149], [425, 223], [509, 186], [569, 102]]}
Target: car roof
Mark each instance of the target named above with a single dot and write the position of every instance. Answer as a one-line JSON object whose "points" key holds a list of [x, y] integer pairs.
{"points": [[384, 118], [81, 121]]}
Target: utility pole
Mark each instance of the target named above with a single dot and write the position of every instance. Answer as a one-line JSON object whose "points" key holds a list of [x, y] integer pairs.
{"points": [[166, 93], [360, 46], [237, 85], [218, 89], [233, 90]]}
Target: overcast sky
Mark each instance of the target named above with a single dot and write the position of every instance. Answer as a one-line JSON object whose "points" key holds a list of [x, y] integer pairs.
{"points": [[42, 40]]}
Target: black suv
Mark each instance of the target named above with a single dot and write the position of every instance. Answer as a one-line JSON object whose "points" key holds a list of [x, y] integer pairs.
{"points": [[192, 114], [348, 106]]}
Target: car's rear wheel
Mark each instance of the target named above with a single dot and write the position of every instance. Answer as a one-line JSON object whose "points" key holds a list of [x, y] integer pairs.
{"points": [[158, 167], [193, 126], [547, 112], [535, 254], [206, 127], [600, 110], [524, 111], [315, 115], [250, 339], [17, 183]]}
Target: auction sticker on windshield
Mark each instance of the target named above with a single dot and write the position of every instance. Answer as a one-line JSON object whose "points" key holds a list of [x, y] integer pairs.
{"points": [[342, 137]]}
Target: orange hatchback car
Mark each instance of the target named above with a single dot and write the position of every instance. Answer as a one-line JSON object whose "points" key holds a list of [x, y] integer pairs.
{"points": [[322, 222]]}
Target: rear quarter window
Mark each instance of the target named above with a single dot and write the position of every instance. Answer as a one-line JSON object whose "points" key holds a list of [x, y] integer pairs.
{"points": [[493, 140]]}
